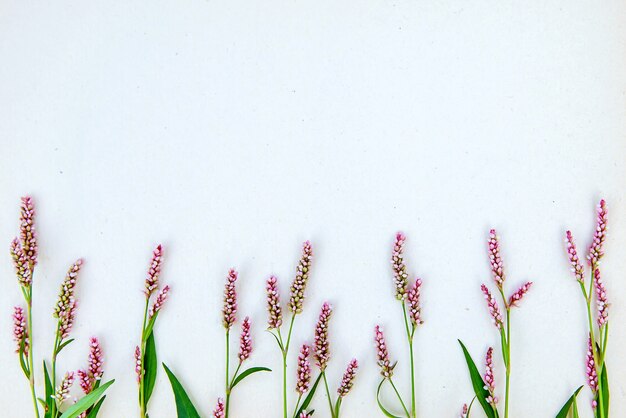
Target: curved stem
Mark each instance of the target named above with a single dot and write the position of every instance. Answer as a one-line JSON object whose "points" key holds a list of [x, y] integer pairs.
{"points": [[399, 398], [409, 337]]}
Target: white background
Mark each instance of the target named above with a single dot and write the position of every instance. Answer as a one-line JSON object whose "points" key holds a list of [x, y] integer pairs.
{"points": [[232, 131]]}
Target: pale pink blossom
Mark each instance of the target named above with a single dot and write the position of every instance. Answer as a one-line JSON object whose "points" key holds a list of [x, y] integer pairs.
{"points": [[321, 342], [601, 299], [382, 355], [96, 359], [28, 235], [348, 378], [572, 254], [20, 329], [218, 412], [63, 391], [273, 304], [303, 381], [245, 340], [66, 301], [138, 364], [494, 309], [596, 250], [592, 374], [516, 297], [490, 385], [400, 276], [464, 411], [298, 286], [495, 260], [152, 278], [230, 300], [413, 301], [159, 301], [21, 264], [66, 319]]}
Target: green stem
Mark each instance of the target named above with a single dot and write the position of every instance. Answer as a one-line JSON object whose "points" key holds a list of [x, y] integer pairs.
{"points": [[227, 370], [31, 377], [285, 350], [330, 401], [295, 411], [508, 365], [409, 337], [400, 398], [143, 409], [54, 368]]}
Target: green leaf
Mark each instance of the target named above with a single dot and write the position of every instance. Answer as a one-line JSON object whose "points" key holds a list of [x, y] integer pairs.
{"points": [[503, 346], [96, 408], [150, 367], [86, 402], [604, 386], [184, 406], [65, 344], [563, 413], [380, 405], [247, 373], [49, 391], [150, 325], [23, 363], [277, 340], [309, 397], [338, 406], [479, 385]]}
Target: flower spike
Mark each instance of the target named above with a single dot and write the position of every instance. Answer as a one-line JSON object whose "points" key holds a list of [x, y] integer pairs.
{"points": [[230, 300], [303, 381], [321, 343], [28, 235], [494, 309], [516, 297], [386, 368], [490, 385], [300, 281], [413, 301], [495, 260], [601, 300], [218, 412], [21, 264], [596, 250], [348, 378], [20, 329], [401, 278], [273, 304], [152, 278], [245, 341], [159, 302]]}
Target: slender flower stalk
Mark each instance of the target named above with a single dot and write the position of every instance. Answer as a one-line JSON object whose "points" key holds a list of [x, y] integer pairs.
{"points": [[598, 328], [150, 314]]}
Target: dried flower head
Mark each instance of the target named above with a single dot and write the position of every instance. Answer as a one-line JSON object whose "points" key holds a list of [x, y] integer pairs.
{"points": [[304, 370], [494, 309], [159, 301], [490, 385], [386, 368], [400, 276], [516, 297], [413, 301], [63, 391], [138, 364], [592, 374], [298, 286], [273, 304], [66, 294], [218, 412], [348, 378], [152, 279], [20, 329], [230, 300], [494, 259], [321, 343], [599, 236], [572, 254], [28, 235], [245, 340], [21, 264], [601, 300]]}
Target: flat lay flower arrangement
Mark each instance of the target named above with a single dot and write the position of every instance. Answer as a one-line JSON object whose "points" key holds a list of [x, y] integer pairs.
{"points": [[304, 362]]}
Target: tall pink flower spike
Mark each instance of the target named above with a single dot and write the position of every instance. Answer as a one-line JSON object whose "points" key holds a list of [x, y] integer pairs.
{"points": [[321, 343], [87, 378], [273, 304], [495, 260], [21, 264], [494, 309], [152, 278], [218, 412], [489, 380], [300, 281], [159, 301], [348, 378], [413, 301], [230, 300], [401, 278], [138, 364], [516, 297], [592, 375], [63, 391], [386, 368], [20, 329], [596, 248], [572, 254], [601, 300], [303, 381], [28, 235], [245, 341]]}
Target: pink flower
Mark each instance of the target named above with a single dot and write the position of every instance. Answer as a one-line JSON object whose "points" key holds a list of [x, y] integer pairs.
{"points": [[66, 302], [218, 412], [304, 370], [516, 297], [152, 278], [400, 276], [494, 259], [463, 412], [66, 319], [63, 391], [321, 343], [305, 415], [348, 378], [20, 329], [85, 381], [386, 368], [21, 264], [138, 364], [494, 309], [230, 300], [595, 249], [592, 375], [159, 302], [245, 341], [572, 254], [300, 281], [601, 300], [489, 380], [95, 359], [413, 300], [28, 235], [273, 304]]}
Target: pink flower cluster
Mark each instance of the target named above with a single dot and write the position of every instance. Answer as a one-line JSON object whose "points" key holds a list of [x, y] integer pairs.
{"points": [[596, 250], [321, 343], [88, 378], [348, 378], [386, 368], [273, 304], [21, 264], [65, 308], [516, 297], [592, 374], [490, 385], [572, 254], [413, 300], [28, 235], [138, 364], [401, 277], [159, 301], [218, 412], [601, 300], [299, 283], [152, 279], [494, 309], [495, 260], [245, 340], [230, 300], [304, 370], [20, 329], [63, 391], [464, 411]]}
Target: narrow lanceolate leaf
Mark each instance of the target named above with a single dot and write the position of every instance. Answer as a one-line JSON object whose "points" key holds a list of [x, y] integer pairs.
{"points": [[309, 397], [96, 408], [604, 386], [65, 344], [503, 345], [49, 391], [380, 405], [479, 385], [86, 402], [150, 369], [184, 406], [247, 373], [564, 412]]}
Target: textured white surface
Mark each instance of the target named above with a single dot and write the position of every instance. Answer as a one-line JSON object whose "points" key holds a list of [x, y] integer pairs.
{"points": [[232, 131]]}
